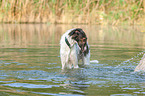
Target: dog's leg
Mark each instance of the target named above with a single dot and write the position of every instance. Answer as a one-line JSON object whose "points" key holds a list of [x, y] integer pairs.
{"points": [[69, 64], [74, 58], [63, 61], [75, 63], [86, 59]]}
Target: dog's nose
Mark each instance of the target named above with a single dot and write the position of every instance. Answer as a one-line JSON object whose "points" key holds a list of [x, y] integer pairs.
{"points": [[82, 49]]}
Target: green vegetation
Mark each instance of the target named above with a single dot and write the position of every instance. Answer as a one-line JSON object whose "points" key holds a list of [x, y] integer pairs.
{"points": [[73, 11]]}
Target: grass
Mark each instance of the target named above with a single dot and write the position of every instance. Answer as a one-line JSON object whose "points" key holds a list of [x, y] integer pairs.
{"points": [[73, 11]]}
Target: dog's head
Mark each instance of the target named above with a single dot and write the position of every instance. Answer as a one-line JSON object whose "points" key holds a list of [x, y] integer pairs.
{"points": [[79, 36]]}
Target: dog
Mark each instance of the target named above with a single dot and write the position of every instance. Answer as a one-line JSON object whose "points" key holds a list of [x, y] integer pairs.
{"points": [[74, 47]]}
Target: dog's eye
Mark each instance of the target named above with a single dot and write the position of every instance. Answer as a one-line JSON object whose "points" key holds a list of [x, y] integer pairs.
{"points": [[76, 38], [84, 39]]}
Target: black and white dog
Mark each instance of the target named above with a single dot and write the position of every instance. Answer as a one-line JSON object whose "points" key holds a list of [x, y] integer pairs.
{"points": [[73, 47]]}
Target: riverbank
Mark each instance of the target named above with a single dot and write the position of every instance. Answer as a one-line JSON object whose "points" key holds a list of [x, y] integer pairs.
{"points": [[112, 12]]}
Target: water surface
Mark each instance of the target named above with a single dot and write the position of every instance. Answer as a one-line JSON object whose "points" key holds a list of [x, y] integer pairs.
{"points": [[30, 61]]}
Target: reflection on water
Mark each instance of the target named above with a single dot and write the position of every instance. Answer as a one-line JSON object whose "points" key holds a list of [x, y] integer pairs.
{"points": [[30, 63], [27, 35]]}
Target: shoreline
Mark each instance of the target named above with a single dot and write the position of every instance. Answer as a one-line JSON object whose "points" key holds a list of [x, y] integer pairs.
{"points": [[98, 12]]}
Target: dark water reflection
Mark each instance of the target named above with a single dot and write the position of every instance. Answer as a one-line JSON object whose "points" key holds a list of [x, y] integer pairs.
{"points": [[30, 63]]}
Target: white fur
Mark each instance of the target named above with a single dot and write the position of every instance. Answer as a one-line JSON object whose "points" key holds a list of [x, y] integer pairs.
{"points": [[71, 57]]}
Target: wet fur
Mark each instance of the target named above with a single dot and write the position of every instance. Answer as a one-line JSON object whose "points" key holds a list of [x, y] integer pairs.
{"points": [[79, 51]]}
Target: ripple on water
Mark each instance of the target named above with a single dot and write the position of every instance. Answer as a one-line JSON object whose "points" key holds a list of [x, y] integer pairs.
{"points": [[27, 85]]}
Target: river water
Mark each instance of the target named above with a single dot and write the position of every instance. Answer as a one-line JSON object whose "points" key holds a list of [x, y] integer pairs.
{"points": [[30, 61]]}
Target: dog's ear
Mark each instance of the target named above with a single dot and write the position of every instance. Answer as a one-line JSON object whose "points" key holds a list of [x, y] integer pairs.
{"points": [[76, 32], [72, 32]]}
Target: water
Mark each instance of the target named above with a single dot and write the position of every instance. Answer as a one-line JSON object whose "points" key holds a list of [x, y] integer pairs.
{"points": [[30, 62]]}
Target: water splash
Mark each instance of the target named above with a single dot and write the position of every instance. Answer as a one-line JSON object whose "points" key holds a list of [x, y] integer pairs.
{"points": [[130, 61], [94, 61]]}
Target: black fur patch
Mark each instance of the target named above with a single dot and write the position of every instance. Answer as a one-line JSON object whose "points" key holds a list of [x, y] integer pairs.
{"points": [[76, 33], [79, 35], [86, 51]]}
